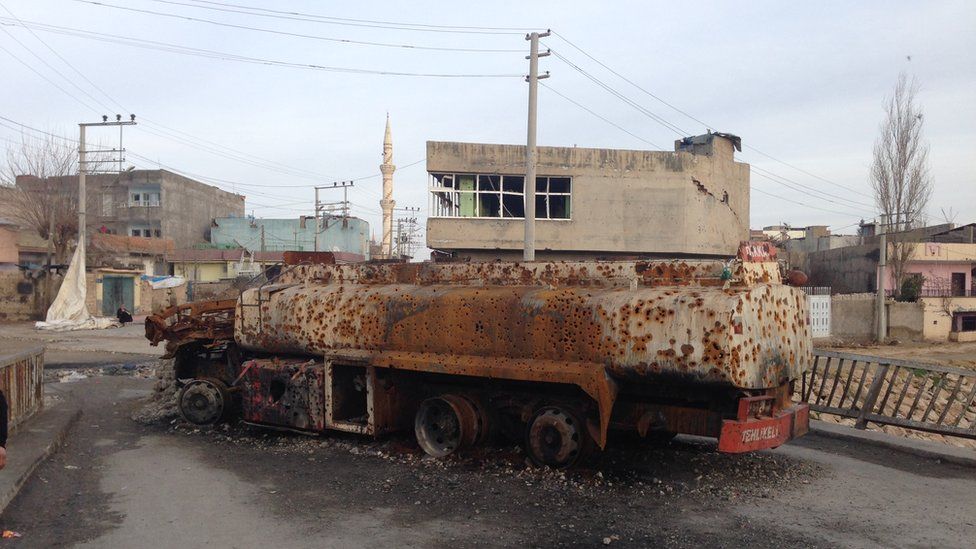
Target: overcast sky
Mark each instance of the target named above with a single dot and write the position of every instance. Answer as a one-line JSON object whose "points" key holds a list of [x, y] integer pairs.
{"points": [[803, 83]]}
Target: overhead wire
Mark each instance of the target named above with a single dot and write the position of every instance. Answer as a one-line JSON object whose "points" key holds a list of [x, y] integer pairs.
{"points": [[601, 117], [299, 16], [690, 116], [225, 56], [295, 34]]}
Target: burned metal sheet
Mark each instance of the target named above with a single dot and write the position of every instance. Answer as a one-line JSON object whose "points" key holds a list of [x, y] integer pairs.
{"points": [[284, 393]]}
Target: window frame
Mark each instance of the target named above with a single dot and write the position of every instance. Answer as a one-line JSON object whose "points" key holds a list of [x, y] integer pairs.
{"points": [[448, 200]]}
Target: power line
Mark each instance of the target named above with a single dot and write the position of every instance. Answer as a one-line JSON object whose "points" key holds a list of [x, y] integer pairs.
{"points": [[643, 110], [707, 126], [295, 34], [111, 99], [594, 113], [789, 183], [224, 56], [299, 16], [803, 204]]}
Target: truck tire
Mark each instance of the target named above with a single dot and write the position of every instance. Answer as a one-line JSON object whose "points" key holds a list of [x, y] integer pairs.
{"points": [[557, 437], [204, 401], [444, 424]]}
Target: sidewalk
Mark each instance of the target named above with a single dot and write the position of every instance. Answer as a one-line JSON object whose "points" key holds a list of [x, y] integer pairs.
{"points": [[31, 444], [921, 448]]}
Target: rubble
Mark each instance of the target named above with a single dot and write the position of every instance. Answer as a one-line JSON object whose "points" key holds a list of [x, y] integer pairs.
{"points": [[160, 407]]}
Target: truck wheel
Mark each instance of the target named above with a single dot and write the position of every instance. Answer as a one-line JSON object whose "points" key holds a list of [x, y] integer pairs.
{"points": [[557, 437], [204, 401], [447, 423]]}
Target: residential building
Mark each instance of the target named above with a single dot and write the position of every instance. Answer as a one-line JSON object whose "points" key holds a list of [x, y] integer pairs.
{"points": [[212, 265], [149, 204], [9, 253], [854, 269], [334, 234], [692, 202]]}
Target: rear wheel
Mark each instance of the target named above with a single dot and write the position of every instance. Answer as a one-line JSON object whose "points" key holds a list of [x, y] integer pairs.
{"points": [[204, 401], [447, 423], [557, 437]]}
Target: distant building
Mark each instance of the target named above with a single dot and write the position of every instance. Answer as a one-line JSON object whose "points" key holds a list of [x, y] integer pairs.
{"points": [[691, 202], [334, 234], [9, 253], [943, 255], [212, 265], [149, 204]]}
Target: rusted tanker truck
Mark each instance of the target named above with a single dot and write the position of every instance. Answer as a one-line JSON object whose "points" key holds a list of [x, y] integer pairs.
{"points": [[561, 356]]}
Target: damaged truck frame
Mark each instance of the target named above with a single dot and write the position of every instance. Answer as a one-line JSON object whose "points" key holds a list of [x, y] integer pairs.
{"points": [[557, 355]]}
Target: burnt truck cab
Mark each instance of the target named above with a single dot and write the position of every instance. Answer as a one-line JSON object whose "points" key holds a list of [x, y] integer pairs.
{"points": [[556, 354]]}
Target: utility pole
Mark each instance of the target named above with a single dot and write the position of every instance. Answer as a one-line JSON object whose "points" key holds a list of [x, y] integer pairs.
{"points": [[323, 208], [528, 252], [83, 167], [882, 264], [262, 238]]}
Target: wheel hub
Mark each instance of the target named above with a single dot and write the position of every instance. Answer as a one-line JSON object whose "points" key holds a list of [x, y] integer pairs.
{"points": [[555, 438], [203, 401]]}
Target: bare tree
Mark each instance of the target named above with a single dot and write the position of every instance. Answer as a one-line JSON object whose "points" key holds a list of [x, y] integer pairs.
{"points": [[900, 172], [43, 199]]}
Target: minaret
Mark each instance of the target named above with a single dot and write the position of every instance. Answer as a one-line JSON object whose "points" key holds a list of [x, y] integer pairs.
{"points": [[387, 204]]}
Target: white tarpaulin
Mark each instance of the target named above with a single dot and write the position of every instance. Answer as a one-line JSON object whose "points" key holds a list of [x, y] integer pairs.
{"points": [[162, 282], [69, 310]]}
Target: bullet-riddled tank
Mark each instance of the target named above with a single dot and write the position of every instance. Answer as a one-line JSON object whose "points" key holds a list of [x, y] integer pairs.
{"points": [[566, 351], [639, 320]]}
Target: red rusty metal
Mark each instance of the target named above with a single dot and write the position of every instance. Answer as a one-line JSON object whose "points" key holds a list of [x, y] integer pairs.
{"points": [[738, 435], [797, 278], [206, 321], [757, 251], [284, 393]]}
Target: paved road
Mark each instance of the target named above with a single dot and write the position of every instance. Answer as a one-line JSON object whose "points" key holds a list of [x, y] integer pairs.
{"points": [[117, 483], [81, 349]]}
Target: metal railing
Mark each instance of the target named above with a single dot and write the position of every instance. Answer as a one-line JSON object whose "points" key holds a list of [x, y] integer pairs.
{"points": [[21, 380], [940, 292], [887, 391]]}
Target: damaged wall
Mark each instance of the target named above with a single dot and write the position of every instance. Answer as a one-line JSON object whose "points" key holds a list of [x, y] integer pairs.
{"points": [[623, 202]]}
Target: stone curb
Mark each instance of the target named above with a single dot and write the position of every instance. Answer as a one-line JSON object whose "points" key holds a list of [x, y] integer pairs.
{"points": [[920, 448], [49, 429]]}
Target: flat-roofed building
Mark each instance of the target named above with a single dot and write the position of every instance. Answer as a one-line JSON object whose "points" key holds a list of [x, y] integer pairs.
{"points": [[691, 202]]}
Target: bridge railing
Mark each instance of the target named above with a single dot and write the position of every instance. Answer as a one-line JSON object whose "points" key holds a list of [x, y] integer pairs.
{"points": [[21, 380], [887, 391]]}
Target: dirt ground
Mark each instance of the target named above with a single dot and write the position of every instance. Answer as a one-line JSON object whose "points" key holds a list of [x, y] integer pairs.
{"points": [[961, 355], [120, 483]]}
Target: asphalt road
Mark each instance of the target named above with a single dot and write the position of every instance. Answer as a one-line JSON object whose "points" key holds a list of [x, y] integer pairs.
{"points": [[117, 483]]}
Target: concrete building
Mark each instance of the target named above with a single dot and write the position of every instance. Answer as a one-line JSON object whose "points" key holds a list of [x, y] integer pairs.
{"points": [[9, 253], [336, 234], [590, 202], [944, 252], [151, 204]]}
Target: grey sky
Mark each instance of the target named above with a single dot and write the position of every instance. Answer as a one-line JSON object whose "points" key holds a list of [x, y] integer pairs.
{"points": [[803, 83]]}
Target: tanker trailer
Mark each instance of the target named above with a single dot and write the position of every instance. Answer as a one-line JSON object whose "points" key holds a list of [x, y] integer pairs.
{"points": [[560, 355]]}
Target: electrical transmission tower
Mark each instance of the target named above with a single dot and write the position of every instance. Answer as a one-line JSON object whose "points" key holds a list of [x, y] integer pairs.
{"points": [[407, 232], [329, 210]]}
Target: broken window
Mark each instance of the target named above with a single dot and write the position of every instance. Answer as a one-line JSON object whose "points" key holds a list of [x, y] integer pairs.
{"points": [[493, 196]]}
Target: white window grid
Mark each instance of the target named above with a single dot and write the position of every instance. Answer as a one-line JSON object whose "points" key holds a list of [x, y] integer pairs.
{"points": [[495, 196]]}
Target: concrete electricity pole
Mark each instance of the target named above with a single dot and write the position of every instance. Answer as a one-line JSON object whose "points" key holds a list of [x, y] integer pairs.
{"points": [[882, 265], [528, 253]]}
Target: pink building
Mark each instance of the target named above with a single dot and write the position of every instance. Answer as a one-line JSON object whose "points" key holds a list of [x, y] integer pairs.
{"points": [[947, 268]]}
